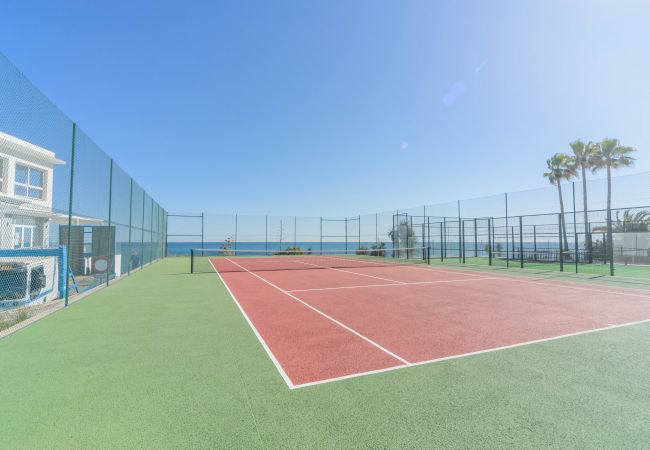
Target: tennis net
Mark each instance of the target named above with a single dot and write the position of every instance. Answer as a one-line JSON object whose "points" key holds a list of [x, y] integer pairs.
{"points": [[231, 260]]}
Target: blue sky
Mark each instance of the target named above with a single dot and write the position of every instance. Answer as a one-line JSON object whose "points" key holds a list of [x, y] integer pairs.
{"points": [[339, 107]]}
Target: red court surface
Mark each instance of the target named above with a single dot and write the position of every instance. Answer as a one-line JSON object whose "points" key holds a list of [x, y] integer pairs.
{"points": [[320, 325]]}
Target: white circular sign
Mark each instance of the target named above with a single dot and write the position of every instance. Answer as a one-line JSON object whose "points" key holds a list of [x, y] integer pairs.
{"points": [[100, 264]]}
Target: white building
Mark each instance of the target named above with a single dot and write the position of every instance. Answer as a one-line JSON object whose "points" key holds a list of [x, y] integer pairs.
{"points": [[26, 182], [28, 271]]}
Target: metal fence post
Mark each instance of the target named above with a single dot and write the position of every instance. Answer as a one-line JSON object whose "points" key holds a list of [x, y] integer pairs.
{"points": [[110, 205], [376, 228], [463, 240], [151, 234], [460, 256], [442, 240], [428, 235], [559, 216], [359, 219], [521, 243], [575, 230], [443, 228], [475, 240], [128, 267], [165, 224], [72, 158], [610, 242], [142, 229], [507, 243], [489, 242]]}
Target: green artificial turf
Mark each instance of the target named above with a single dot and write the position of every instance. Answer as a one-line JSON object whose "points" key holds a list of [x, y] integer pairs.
{"points": [[165, 359]]}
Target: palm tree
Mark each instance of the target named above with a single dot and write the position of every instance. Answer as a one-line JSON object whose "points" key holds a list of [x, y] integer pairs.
{"points": [[632, 222], [583, 155], [561, 167], [611, 155]]}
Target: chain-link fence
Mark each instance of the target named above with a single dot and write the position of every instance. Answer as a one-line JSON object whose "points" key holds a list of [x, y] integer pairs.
{"points": [[524, 229], [70, 218]]}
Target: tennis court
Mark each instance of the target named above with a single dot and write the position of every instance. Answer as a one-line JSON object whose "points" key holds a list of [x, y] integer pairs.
{"points": [[326, 317]]}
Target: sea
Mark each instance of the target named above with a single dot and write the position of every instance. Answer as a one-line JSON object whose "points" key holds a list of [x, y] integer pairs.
{"points": [[183, 248]]}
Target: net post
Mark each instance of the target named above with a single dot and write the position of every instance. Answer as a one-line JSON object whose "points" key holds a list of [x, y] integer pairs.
{"points": [[489, 241], [191, 260], [202, 231], [521, 243], [429, 255], [559, 225], [346, 235], [359, 219]]}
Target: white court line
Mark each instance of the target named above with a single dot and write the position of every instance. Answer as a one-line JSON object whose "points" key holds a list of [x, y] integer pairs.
{"points": [[562, 283], [342, 325], [464, 355], [569, 286], [349, 271], [408, 364], [283, 374], [413, 283]]}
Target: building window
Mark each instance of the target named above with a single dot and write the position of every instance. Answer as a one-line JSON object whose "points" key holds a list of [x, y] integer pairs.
{"points": [[24, 236], [29, 182]]}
